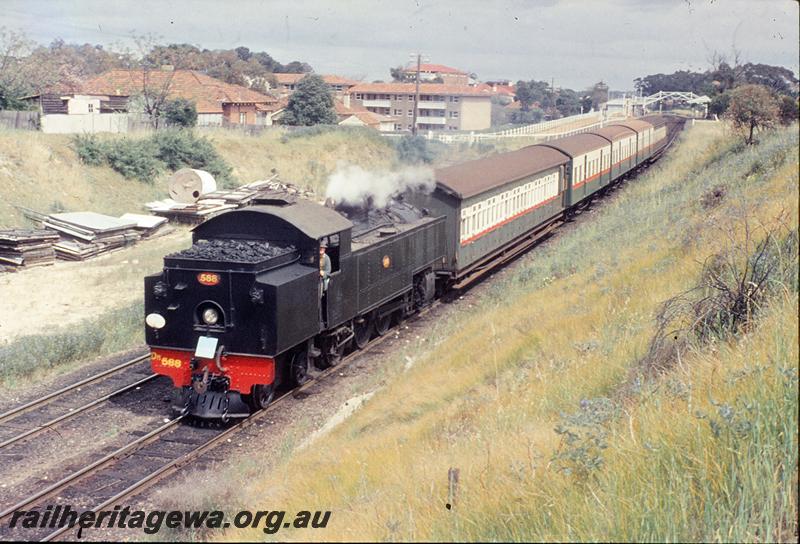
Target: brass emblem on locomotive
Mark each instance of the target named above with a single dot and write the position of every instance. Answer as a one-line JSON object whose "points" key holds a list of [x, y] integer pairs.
{"points": [[387, 262]]}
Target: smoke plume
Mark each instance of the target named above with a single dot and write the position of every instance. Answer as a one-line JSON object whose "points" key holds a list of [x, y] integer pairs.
{"points": [[352, 185]]}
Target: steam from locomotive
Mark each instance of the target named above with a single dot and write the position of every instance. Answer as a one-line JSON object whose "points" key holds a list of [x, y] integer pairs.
{"points": [[350, 184]]}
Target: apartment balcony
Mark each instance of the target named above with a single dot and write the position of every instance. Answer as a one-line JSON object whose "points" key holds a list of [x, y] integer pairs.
{"points": [[432, 105], [431, 120], [376, 103]]}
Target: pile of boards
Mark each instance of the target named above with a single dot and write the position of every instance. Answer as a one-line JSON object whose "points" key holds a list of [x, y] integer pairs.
{"points": [[77, 236], [210, 204], [26, 248], [88, 234]]}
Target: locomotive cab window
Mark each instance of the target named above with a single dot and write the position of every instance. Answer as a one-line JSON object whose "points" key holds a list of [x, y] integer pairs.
{"points": [[332, 251]]}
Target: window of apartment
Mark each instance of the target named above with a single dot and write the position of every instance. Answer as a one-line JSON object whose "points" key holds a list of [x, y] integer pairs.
{"points": [[454, 114], [398, 126], [411, 113], [91, 108], [453, 99], [358, 96], [243, 118], [398, 112], [408, 127], [411, 97]]}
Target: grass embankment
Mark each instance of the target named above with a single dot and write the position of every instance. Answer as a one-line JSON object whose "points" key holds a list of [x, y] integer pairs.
{"points": [[705, 450], [305, 157], [43, 172]]}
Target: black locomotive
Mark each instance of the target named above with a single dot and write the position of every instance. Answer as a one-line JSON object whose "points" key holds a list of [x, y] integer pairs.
{"points": [[244, 308]]}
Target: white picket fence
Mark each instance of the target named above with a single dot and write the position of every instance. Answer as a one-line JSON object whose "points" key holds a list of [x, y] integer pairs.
{"points": [[527, 130], [544, 131]]}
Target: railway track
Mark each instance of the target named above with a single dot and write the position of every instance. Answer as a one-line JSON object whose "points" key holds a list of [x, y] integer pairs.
{"points": [[39, 415], [50, 397], [148, 459]]}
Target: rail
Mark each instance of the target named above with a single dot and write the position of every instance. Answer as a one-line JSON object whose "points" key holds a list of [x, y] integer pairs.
{"points": [[72, 387]]}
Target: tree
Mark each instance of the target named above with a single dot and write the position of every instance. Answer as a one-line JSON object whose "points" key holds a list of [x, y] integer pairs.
{"points": [[311, 103], [14, 47], [397, 74], [788, 110], [599, 95], [719, 104], [180, 112], [9, 102], [296, 67], [243, 53], [751, 108], [776, 78], [568, 103]]}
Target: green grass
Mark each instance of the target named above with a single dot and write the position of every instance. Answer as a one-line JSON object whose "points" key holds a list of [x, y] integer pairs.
{"points": [[36, 355], [706, 451]]}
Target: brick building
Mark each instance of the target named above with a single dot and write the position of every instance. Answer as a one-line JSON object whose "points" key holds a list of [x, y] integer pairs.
{"points": [[217, 102], [441, 106]]}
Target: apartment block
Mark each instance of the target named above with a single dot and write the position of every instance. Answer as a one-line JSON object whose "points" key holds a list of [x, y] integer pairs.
{"points": [[441, 106]]}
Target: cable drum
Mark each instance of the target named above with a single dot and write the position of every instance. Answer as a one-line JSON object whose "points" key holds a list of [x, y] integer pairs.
{"points": [[187, 185]]}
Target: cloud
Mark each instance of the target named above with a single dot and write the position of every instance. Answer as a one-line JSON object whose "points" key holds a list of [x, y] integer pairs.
{"points": [[575, 42]]}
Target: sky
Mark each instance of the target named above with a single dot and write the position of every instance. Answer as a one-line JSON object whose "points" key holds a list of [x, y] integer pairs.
{"points": [[574, 43]]}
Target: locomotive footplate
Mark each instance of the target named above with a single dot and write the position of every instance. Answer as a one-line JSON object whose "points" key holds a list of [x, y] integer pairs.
{"points": [[219, 404]]}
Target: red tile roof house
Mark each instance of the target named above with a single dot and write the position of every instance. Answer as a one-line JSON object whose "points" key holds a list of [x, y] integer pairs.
{"points": [[353, 115], [217, 102]]}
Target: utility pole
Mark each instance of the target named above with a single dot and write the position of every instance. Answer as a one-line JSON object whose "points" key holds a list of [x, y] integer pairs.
{"points": [[416, 97]]}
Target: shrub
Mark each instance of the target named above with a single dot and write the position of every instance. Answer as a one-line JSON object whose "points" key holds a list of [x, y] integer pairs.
{"points": [[583, 438], [414, 150], [144, 159], [181, 148], [134, 159], [181, 113], [734, 287], [90, 150]]}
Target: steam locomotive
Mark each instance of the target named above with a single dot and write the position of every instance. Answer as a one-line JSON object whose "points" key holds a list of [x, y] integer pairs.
{"points": [[245, 308]]}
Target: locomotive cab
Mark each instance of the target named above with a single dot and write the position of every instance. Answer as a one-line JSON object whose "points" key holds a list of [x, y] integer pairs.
{"points": [[224, 314]]}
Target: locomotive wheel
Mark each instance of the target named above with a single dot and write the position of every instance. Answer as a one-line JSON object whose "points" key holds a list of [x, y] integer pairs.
{"points": [[382, 324], [299, 369], [362, 333], [261, 396]]}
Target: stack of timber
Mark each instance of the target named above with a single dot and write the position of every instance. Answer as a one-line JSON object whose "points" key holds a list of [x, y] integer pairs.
{"points": [[215, 202], [88, 234], [148, 226], [26, 248]]}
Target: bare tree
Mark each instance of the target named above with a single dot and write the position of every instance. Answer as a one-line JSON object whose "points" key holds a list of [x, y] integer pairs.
{"points": [[152, 83]]}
